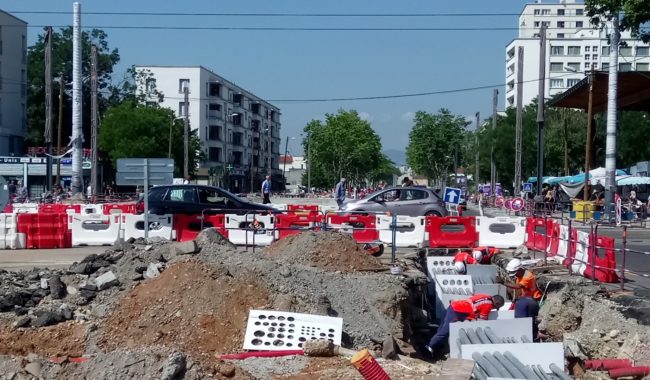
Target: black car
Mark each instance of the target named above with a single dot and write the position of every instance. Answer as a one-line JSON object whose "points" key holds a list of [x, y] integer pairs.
{"points": [[197, 199]]}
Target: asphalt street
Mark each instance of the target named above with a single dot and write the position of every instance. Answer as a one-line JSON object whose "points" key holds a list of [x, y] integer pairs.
{"points": [[26, 259]]}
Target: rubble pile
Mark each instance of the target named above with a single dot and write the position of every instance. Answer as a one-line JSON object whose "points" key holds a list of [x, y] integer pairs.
{"points": [[150, 308]]}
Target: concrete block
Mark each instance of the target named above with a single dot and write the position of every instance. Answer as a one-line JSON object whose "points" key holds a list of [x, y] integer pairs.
{"points": [[504, 328], [184, 248], [106, 281], [543, 354]]}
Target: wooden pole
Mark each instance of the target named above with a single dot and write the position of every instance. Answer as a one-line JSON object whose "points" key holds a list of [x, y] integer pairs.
{"points": [[590, 117]]}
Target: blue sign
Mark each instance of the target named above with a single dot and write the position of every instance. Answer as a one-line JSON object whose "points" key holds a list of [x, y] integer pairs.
{"points": [[528, 187], [452, 195]]}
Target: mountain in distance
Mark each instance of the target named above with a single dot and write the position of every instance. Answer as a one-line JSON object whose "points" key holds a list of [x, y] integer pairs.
{"points": [[397, 156]]}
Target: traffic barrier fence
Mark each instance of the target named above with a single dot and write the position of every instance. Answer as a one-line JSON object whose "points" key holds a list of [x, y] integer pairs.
{"points": [[501, 232], [451, 231]]}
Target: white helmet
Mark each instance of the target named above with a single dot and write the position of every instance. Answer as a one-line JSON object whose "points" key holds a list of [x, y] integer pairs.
{"points": [[460, 267], [478, 255], [513, 266]]}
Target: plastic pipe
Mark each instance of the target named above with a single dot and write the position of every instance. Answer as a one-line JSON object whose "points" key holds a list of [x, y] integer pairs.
{"points": [[522, 368], [481, 336], [514, 372], [462, 337], [260, 354], [629, 371], [524, 339], [535, 372], [473, 338], [479, 373], [503, 371], [607, 364], [493, 338], [485, 365], [559, 372], [543, 372]]}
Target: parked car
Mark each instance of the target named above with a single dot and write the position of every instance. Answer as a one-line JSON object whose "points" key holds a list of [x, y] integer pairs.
{"points": [[410, 201], [195, 199]]}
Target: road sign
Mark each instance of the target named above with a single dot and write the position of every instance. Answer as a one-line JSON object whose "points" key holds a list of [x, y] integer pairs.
{"points": [[518, 204], [145, 172], [452, 195], [528, 187]]}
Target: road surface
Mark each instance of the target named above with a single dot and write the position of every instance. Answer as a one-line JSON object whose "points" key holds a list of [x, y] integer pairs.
{"points": [[25, 259]]}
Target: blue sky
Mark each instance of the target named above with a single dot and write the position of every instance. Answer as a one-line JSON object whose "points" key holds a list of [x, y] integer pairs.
{"points": [[317, 64]]}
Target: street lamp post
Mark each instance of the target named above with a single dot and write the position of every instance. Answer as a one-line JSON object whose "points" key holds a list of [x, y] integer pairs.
{"points": [[308, 161], [284, 169]]}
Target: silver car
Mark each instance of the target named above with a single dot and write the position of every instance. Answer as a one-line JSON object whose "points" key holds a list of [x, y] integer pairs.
{"points": [[410, 201]]}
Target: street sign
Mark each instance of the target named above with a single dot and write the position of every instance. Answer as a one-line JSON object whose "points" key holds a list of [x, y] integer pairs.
{"points": [[452, 195], [528, 187], [518, 204], [136, 165], [145, 172]]}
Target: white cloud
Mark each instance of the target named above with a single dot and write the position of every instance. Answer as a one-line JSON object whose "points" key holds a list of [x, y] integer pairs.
{"points": [[365, 116], [408, 116]]}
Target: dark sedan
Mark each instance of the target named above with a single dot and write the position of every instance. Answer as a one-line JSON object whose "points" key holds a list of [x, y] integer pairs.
{"points": [[197, 199]]}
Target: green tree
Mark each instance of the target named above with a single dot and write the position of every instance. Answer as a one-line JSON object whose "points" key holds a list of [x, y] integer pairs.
{"points": [[634, 15], [384, 171], [343, 146], [127, 90], [135, 130], [434, 141], [62, 64]]}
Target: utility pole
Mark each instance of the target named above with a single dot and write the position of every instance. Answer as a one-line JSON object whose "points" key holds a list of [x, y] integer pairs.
{"points": [[186, 132], [48, 106], [476, 170], [610, 145], [77, 106], [590, 118], [493, 169], [94, 110], [519, 118], [309, 161], [284, 169], [59, 128], [540, 109]]}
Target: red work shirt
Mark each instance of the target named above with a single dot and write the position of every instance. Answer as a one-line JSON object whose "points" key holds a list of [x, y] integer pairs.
{"points": [[464, 257], [476, 306]]}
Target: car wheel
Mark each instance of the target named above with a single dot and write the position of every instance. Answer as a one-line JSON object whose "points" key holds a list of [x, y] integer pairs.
{"points": [[432, 213]]}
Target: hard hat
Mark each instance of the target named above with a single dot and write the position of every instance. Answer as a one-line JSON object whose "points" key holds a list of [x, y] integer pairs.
{"points": [[460, 267], [513, 265], [478, 255]]}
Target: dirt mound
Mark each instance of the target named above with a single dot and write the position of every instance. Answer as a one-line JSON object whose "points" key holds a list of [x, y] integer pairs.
{"points": [[66, 339], [190, 306], [332, 251]]}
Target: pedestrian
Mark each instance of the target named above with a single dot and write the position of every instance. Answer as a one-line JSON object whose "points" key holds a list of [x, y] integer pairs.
{"points": [[525, 281], [22, 194], [477, 306], [339, 193], [187, 180], [266, 190], [406, 182], [89, 191], [12, 188], [461, 260]]}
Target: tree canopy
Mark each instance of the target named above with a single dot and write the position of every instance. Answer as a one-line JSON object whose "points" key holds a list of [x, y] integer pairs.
{"points": [[634, 14], [343, 146]]}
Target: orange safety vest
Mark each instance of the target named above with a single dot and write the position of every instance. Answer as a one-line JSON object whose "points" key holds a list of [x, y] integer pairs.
{"points": [[478, 303], [464, 257], [530, 289]]}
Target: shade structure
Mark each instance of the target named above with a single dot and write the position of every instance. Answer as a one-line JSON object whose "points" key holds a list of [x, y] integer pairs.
{"points": [[633, 181]]}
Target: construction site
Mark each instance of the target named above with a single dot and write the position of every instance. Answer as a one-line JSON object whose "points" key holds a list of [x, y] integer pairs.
{"points": [[150, 308]]}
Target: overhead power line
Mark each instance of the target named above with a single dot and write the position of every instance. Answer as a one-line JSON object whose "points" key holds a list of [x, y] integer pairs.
{"points": [[274, 14]]}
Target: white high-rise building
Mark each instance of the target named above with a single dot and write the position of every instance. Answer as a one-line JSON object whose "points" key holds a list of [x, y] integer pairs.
{"points": [[239, 131], [573, 48], [13, 84]]}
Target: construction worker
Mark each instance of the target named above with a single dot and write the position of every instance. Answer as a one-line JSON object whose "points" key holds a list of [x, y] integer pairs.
{"points": [[461, 260], [525, 284], [475, 307], [527, 307], [483, 255]]}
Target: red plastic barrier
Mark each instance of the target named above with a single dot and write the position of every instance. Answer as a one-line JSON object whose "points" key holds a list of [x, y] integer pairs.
{"points": [[217, 221], [607, 364], [443, 234], [119, 208], [302, 208], [553, 232], [58, 208], [364, 226], [571, 248], [45, 231], [605, 270], [292, 224], [536, 239], [187, 227]]}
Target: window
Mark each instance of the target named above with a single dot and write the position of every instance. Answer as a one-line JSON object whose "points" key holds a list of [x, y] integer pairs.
{"points": [[238, 99], [625, 51], [604, 50], [572, 82], [546, 11], [537, 24], [557, 83], [157, 193], [214, 89], [536, 12], [579, 24], [151, 104], [214, 154], [556, 66], [573, 50], [605, 66], [214, 133], [587, 56], [594, 57], [212, 197], [587, 66], [150, 85], [183, 84], [214, 110], [237, 138], [643, 50], [181, 195], [0, 39], [560, 24], [625, 67], [594, 49], [388, 196], [181, 109], [594, 65], [642, 67], [546, 23], [575, 66], [413, 195], [1, 75], [560, 12], [579, 12], [557, 50], [560, 35], [587, 49]]}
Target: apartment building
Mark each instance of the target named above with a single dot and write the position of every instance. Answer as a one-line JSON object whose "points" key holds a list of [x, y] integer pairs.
{"points": [[240, 132], [573, 48], [13, 84]]}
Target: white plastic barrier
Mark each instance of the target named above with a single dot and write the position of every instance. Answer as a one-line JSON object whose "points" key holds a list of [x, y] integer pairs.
{"points": [[9, 238], [501, 232], [242, 229], [91, 209], [410, 230], [25, 208], [93, 229], [582, 253], [132, 226], [563, 243], [279, 206]]}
